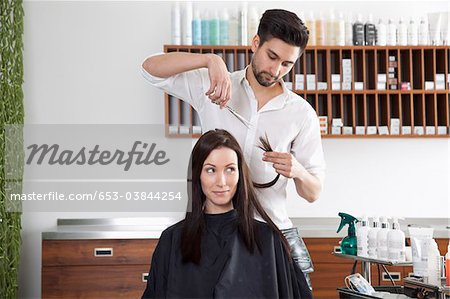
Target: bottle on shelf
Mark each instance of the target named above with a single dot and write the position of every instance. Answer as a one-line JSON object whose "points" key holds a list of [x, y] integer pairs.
{"points": [[243, 35], [233, 28], [252, 22], [362, 238], [205, 28], [186, 38], [391, 33], [413, 33], [358, 32], [349, 30], [402, 33], [311, 25], [396, 243], [320, 30], [196, 28], [423, 32], [331, 29], [447, 266], [372, 237], [214, 28], [176, 24], [382, 248], [381, 39], [340, 30], [369, 32], [433, 264], [224, 23]]}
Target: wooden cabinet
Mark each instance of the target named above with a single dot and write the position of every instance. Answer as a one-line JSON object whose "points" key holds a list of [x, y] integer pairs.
{"points": [[95, 268], [373, 91]]}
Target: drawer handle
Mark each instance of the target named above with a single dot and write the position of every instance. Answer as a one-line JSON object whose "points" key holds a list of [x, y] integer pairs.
{"points": [[395, 276], [103, 252], [337, 249], [144, 277]]}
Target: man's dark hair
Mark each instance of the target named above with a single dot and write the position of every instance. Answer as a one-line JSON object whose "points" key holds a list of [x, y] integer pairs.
{"points": [[284, 25]]}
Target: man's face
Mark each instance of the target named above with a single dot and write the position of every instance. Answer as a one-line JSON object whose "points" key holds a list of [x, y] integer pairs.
{"points": [[271, 61]]}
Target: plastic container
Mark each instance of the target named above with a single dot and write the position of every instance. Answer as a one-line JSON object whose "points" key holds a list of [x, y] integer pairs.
{"points": [[434, 264], [396, 243], [391, 33], [224, 23], [358, 32], [372, 237], [176, 24], [362, 238], [447, 266], [381, 33], [413, 33], [196, 28], [402, 33], [382, 248]]}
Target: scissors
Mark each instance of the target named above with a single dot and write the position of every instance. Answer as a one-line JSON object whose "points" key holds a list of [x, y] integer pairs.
{"points": [[238, 116]]}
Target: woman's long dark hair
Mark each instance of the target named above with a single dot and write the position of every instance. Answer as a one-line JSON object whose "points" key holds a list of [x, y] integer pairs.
{"points": [[244, 200]]}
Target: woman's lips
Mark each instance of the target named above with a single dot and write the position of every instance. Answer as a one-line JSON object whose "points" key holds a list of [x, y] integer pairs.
{"points": [[220, 192]]}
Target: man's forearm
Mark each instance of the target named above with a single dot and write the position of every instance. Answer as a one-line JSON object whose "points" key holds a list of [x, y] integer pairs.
{"points": [[170, 64], [308, 186]]}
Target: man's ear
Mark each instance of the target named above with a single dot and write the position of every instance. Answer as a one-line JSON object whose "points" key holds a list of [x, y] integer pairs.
{"points": [[255, 43]]}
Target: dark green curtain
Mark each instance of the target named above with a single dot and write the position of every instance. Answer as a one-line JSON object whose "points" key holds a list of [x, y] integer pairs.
{"points": [[11, 112]]}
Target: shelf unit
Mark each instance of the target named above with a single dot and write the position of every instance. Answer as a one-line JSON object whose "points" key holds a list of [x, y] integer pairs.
{"points": [[372, 110]]}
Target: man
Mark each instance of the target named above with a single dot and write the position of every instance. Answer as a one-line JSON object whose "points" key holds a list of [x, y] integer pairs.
{"points": [[259, 95]]}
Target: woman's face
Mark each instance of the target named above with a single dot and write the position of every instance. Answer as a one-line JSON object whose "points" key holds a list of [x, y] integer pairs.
{"points": [[219, 178]]}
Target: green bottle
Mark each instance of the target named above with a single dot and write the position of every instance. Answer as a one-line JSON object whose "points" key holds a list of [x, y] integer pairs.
{"points": [[348, 244]]}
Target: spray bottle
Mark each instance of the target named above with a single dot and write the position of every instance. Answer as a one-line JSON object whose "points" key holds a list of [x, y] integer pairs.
{"points": [[348, 244]]}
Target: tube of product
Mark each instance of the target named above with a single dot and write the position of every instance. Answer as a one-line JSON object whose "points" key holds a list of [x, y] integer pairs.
{"points": [[420, 240]]}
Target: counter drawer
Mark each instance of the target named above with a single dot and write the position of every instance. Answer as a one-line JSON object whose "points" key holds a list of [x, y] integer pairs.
{"points": [[97, 252], [94, 281]]}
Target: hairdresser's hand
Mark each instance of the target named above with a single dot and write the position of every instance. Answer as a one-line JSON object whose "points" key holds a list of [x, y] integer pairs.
{"points": [[220, 90], [285, 164]]}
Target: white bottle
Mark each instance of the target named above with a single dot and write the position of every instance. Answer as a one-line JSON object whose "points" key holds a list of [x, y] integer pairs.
{"points": [[340, 30], [413, 33], [402, 33], [396, 243], [243, 35], [321, 30], [372, 237], [391, 33], [423, 32], [186, 38], [382, 249], [349, 30], [381, 33], [434, 264], [224, 23], [362, 238], [331, 29], [233, 28], [252, 23], [311, 25], [176, 24]]}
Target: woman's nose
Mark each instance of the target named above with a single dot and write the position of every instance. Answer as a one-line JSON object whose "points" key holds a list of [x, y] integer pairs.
{"points": [[221, 180]]}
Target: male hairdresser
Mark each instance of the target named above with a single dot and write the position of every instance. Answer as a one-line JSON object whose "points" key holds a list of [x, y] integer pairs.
{"points": [[259, 95]]}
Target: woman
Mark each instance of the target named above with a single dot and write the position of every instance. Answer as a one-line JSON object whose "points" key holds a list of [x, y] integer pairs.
{"points": [[219, 250]]}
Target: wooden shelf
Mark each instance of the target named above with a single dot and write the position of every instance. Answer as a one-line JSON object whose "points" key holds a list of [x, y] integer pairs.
{"points": [[424, 111]]}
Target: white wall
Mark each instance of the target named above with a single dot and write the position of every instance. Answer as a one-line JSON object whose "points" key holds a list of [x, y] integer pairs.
{"points": [[82, 64]]}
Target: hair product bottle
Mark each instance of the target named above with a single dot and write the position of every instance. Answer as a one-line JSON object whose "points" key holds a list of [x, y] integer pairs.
{"points": [[214, 28], [423, 32], [382, 247], [433, 264], [381, 34], [391, 33], [331, 29], [340, 30], [196, 28], [372, 237], [396, 243], [243, 35], [224, 23], [370, 32], [362, 237], [413, 33], [349, 30], [253, 21], [311, 25], [402, 33], [358, 32], [233, 28], [187, 24], [176, 24], [320, 30], [205, 28]]}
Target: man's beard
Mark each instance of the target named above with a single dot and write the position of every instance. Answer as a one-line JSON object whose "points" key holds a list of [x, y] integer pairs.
{"points": [[260, 76]]}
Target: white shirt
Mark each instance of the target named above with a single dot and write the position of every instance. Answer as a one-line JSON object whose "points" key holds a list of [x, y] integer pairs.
{"points": [[290, 122]]}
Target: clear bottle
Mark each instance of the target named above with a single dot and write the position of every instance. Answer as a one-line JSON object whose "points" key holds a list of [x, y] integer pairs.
{"points": [[187, 24], [176, 24], [205, 28], [243, 35], [331, 29], [252, 22], [402, 33], [423, 32], [381, 33], [214, 28], [340, 30], [320, 30], [396, 243], [413, 33], [311, 25], [434, 264], [196, 28], [391, 33], [349, 30], [370, 32], [372, 237], [358, 32], [382, 249], [224, 23], [233, 28], [362, 238]]}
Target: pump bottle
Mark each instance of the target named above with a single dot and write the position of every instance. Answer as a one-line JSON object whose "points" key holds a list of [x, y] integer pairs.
{"points": [[396, 243], [224, 22], [433, 264], [176, 24], [391, 33], [381, 33], [311, 25], [372, 237], [358, 32], [402, 36], [369, 32], [349, 30], [423, 32], [413, 33], [196, 28], [382, 249]]}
